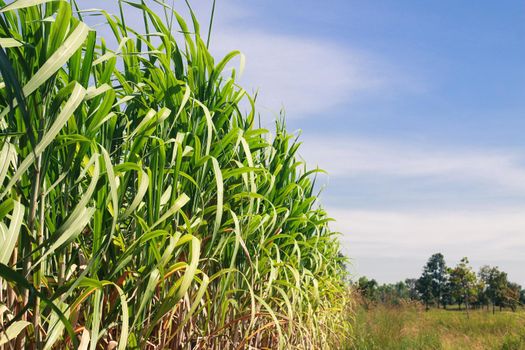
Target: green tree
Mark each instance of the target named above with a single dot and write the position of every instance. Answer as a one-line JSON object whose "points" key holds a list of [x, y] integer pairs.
{"points": [[394, 293], [482, 298], [446, 294], [424, 288], [433, 281], [439, 273], [511, 295], [411, 284], [463, 283], [495, 285], [368, 290], [402, 290]]}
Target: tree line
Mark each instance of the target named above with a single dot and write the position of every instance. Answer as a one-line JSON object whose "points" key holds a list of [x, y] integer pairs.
{"points": [[442, 286]]}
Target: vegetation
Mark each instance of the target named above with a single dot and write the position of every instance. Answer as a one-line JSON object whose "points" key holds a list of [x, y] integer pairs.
{"points": [[409, 326], [140, 207], [445, 308], [440, 285], [432, 285]]}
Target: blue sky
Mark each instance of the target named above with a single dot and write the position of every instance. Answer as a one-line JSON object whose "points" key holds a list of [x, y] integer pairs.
{"points": [[415, 108]]}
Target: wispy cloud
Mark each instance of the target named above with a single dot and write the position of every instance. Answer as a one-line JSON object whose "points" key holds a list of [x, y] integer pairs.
{"points": [[363, 157], [416, 229], [489, 232], [487, 236], [306, 76]]}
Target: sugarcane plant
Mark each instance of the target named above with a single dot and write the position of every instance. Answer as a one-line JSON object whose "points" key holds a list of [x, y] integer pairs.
{"points": [[140, 205]]}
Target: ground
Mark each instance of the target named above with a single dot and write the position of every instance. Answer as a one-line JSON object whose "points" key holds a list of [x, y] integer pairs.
{"points": [[411, 327]]}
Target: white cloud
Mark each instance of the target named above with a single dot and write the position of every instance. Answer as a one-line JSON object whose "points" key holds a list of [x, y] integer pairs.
{"points": [[416, 229], [357, 157], [384, 241], [304, 75], [486, 236]]}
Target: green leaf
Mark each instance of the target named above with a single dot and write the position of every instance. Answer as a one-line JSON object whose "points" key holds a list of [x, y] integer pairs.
{"points": [[123, 338], [8, 238], [74, 41], [20, 4], [93, 91], [55, 62], [97, 318], [56, 327], [7, 155], [69, 231], [220, 197], [143, 184], [72, 104], [179, 203], [112, 187], [148, 292]]}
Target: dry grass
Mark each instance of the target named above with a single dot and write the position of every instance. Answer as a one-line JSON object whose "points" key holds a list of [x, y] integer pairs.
{"points": [[410, 327]]}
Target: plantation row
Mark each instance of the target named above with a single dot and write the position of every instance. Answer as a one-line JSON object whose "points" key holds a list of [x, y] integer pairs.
{"points": [[140, 206], [440, 285]]}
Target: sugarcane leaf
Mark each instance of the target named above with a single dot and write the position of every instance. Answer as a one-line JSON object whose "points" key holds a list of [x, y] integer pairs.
{"points": [[56, 327], [74, 41], [20, 4], [9, 237], [179, 203], [13, 331], [10, 42], [72, 104]]}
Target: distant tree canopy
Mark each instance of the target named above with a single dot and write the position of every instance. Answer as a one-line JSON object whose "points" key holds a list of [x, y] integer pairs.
{"points": [[462, 283], [432, 283], [442, 286], [393, 294]]}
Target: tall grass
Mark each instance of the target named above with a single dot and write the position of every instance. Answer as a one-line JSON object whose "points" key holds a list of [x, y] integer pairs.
{"points": [[139, 207], [409, 326]]}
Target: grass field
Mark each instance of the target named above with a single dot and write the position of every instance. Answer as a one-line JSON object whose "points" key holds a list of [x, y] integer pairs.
{"points": [[411, 327]]}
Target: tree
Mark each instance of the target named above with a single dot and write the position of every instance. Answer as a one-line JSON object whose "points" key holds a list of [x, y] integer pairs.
{"points": [[411, 284], [401, 290], [446, 294], [463, 283], [368, 290], [393, 294], [482, 299], [424, 288], [433, 281], [495, 285], [511, 295], [439, 273]]}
